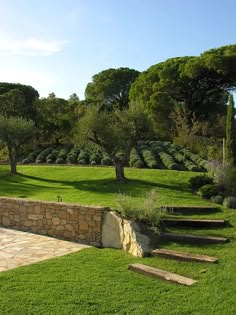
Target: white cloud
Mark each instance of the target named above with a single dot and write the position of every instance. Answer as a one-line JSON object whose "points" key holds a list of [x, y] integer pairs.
{"points": [[38, 79], [31, 46]]}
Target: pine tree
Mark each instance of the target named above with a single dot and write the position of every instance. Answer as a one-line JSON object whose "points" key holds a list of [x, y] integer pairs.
{"points": [[230, 145]]}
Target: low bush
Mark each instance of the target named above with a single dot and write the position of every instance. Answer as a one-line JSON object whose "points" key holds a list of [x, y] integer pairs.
{"points": [[83, 158], [106, 160], [192, 166], [197, 182], [142, 209], [41, 158], [135, 159], [60, 161], [217, 199], [168, 161], [230, 202], [208, 191]]}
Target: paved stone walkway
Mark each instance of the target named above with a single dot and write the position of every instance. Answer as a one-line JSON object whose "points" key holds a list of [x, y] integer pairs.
{"points": [[21, 248]]}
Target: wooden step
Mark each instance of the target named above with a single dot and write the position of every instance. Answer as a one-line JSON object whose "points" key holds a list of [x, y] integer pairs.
{"points": [[167, 253], [190, 209], [193, 222], [161, 274], [190, 238]]}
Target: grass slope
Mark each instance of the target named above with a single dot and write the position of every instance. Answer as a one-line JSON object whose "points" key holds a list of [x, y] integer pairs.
{"points": [[95, 185], [96, 281]]}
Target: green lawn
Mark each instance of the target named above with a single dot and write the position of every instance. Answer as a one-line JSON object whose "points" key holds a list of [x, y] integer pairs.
{"points": [[96, 281], [95, 185]]}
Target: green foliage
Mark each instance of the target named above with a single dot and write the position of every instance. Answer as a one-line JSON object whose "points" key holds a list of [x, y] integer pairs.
{"points": [[197, 182], [230, 202], [15, 132], [41, 158], [217, 199], [114, 132], [168, 161], [60, 160], [224, 176], [73, 155], [149, 158], [3, 153], [144, 209], [135, 159], [208, 191], [18, 100], [110, 88]]}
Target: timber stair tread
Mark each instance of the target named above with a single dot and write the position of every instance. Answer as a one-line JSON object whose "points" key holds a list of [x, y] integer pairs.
{"points": [[161, 274], [191, 238], [167, 253], [190, 209], [193, 222]]}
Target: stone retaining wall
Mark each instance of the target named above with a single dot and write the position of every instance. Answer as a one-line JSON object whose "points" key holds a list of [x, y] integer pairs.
{"points": [[61, 220]]}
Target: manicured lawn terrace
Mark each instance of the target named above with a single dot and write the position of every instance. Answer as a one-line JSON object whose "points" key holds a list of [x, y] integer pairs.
{"points": [[96, 281]]}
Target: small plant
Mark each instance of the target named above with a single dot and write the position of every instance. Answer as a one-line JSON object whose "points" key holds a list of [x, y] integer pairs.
{"points": [[208, 191], [199, 181], [217, 199], [143, 209], [230, 202]]}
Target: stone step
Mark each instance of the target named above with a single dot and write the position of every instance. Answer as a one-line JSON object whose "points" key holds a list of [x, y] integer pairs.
{"points": [[193, 222], [190, 209], [167, 253], [161, 274], [190, 238]]}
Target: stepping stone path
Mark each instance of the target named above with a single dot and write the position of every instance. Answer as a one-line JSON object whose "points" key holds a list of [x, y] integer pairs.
{"points": [[21, 248], [183, 238]]}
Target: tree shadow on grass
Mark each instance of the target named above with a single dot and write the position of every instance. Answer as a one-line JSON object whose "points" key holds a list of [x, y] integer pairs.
{"points": [[109, 185]]}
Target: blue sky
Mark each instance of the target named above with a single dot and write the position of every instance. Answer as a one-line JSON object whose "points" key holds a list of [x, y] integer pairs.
{"points": [[57, 46]]}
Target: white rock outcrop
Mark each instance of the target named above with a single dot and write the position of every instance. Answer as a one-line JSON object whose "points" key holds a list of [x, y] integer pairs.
{"points": [[124, 234]]}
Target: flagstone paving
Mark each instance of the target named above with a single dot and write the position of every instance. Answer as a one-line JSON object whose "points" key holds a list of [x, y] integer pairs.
{"points": [[22, 248]]}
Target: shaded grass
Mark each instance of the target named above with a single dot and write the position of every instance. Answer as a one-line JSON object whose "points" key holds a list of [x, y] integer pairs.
{"points": [[95, 185]]}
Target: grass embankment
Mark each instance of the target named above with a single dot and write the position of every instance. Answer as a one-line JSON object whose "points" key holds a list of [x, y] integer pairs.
{"points": [[96, 281], [95, 185]]}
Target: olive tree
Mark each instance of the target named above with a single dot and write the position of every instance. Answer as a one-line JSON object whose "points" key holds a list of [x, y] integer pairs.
{"points": [[15, 132], [114, 132]]}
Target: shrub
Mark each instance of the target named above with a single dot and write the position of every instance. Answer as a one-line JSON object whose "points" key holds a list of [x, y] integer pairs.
{"points": [[141, 209], [168, 161], [198, 181], [217, 199], [208, 191], [63, 153], [149, 158], [83, 158], [73, 155], [26, 161], [135, 159], [60, 161], [106, 160], [230, 202], [95, 159], [224, 175], [42, 155]]}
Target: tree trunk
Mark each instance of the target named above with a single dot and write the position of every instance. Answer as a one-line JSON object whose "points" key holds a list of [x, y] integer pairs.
{"points": [[120, 176], [12, 160]]}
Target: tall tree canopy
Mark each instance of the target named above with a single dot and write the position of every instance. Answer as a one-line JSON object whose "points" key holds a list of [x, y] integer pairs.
{"points": [[201, 83], [17, 100], [55, 117], [110, 88]]}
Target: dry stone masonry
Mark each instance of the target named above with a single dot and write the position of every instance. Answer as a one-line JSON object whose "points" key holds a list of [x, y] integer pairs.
{"points": [[61, 220]]}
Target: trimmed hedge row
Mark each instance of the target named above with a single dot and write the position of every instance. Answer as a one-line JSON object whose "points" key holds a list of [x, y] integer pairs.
{"points": [[150, 154]]}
